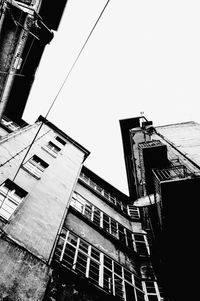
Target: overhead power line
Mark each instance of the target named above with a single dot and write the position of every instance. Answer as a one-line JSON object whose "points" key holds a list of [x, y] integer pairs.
{"points": [[77, 57], [60, 89]]}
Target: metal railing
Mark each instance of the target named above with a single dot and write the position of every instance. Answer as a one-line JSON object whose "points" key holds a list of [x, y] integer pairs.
{"points": [[171, 173]]}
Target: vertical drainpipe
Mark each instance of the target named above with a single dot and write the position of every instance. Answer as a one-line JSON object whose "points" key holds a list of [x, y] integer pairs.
{"points": [[3, 12], [14, 63], [2, 17]]}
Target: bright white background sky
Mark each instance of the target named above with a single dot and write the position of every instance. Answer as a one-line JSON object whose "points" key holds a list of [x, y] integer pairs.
{"points": [[143, 56]]}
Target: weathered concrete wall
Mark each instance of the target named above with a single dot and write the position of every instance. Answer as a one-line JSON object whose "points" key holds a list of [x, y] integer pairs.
{"points": [[22, 276], [83, 230], [35, 223], [186, 138]]}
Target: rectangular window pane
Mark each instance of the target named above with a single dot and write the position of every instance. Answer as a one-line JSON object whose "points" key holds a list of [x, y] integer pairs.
{"points": [[114, 231], [138, 282], [35, 166], [106, 223], [83, 247], [140, 244], [141, 248], [63, 142], [117, 269], [133, 211], [81, 263], [139, 237], [118, 287], [88, 211], [122, 236], [107, 280], [94, 271], [129, 238], [124, 209], [140, 295], [108, 262], [95, 254], [72, 239], [150, 287], [53, 147], [68, 256], [119, 204], [11, 196], [96, 216], [130, 292], [113, 199], [127, 276]]}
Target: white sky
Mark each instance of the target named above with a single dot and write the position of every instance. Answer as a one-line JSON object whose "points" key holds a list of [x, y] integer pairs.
{"points": [[143, 56]]}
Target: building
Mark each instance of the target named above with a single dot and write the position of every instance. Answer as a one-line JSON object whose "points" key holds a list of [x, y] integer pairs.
{"points": [[35, 189], [163, 171], [102, 250], [66, 234], [26, 27]]}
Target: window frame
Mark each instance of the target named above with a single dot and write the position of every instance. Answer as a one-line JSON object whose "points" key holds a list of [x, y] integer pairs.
{"points": [[71, 249], [106, 223], [126, 209], [156, 292], [62, 141], [35, 166], [52, 149], [10, 198]]}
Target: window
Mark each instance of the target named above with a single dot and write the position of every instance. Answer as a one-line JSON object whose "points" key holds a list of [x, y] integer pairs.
{"points": [[152, 291], [59, 139], [9, 124], [110, 225], [52, 149], [140, 244], [136, 241], [75, 253], [133, 211], [129, 210], [11, 196], [35, 166]]}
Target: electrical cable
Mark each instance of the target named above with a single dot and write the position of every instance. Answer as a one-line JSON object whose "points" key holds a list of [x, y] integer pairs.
{"points": [[60, 89]]}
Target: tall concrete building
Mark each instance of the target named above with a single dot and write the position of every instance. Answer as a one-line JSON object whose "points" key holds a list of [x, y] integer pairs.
{"points": [[34, 197], [102, 251], [163, 171], [66, 234], [26, 27]]}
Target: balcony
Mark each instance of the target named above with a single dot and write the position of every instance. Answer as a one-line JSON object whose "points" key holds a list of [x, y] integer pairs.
{"points": [[171, 173]]}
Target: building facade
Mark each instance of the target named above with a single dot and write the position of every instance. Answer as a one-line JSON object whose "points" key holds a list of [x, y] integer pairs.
{"points": [[26, 27], [67, 234], [163, 170], [35, 189], [102, 250]]}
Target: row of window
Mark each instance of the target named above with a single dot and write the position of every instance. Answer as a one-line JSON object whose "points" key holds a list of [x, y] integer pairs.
{"points": [[130, 210], [36, 165], [11, 195], [137, 241], [75, 253]]}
